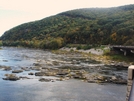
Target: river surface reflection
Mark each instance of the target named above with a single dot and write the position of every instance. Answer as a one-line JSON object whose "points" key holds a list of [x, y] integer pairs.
{"points": [[69, 90]]}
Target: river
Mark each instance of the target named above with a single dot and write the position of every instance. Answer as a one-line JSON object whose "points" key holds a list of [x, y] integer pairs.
{"points": [[68, 90]]}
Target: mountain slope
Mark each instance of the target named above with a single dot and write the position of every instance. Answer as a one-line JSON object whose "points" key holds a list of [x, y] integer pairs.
{"points": [[82, 26]]}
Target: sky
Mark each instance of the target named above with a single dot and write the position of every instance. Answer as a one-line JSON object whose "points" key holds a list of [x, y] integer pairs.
{"points": [[16, 12]]}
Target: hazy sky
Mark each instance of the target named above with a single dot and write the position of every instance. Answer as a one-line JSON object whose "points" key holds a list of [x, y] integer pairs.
{"points": [[16, 12]]}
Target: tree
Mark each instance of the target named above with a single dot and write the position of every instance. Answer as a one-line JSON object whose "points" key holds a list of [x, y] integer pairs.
{"points": [[0, 43], [113, 38]]}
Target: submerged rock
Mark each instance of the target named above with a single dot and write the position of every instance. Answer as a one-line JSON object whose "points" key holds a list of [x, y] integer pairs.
{"points": [[5, 60]]}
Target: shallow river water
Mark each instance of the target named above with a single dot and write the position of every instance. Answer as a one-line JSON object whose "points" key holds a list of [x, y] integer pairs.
{"points": [[69, 90]]}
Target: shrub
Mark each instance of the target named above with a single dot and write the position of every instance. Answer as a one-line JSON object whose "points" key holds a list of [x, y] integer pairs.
{"points": [[87, 47], [79, 47]]}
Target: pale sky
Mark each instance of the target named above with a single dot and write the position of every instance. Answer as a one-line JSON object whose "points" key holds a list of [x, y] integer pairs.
{"points": [[16, 12]]}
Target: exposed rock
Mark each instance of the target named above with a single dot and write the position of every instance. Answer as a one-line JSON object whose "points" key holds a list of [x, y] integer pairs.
{"points": [[122, 81], [71, 67], [60, 79], [55, 63], [63, 72], [11, 77], [7, 68], [39, 74], [17, 71], [50, 73], [46, 80], [30, 73], [25, 68], [66, 72], [36, 64], [114, 78], [24, 77], [119, 80], [44, 68], [91, 81], [122, 64], [36, 68]]}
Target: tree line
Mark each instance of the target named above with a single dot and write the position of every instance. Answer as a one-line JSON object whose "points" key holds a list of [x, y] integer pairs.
{"points": [[81, 26]]}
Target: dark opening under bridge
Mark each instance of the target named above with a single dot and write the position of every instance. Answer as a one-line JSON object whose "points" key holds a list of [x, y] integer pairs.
{"points": [[125, 49]]}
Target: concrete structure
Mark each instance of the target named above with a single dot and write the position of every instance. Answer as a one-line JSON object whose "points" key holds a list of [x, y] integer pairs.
{"points": [[124, 49], [130, 84]]}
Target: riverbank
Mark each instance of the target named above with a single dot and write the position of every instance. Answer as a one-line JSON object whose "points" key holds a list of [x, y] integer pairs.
{"points": [[97, 55]]}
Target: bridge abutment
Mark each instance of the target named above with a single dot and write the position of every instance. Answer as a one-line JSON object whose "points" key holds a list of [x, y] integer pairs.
{"points": [[130, 82], [126, 50]]}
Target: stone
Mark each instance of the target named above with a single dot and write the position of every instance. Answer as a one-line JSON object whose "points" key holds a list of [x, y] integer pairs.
{"points": [[36, 68], [91, 81], [25, 68], [44, 68], [17, 71], [50, 73], [30, 73], [62, 72], [120, 81], [39, 74], [114, 78], [24, 77], [60, 79], [11, 77], [45, 80], [7, 68], [36, 64]]}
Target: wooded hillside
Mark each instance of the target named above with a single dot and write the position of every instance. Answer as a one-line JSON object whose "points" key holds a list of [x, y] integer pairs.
{"points": [[82, 26]]}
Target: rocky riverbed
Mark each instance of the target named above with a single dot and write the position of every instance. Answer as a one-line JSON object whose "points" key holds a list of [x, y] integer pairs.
{"points": [[98, 73], [64, 66], [40, 75], [95, 54]]}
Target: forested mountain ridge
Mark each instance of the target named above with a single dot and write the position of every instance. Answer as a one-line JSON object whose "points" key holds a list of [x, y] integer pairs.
{"points": [[82, 26]]}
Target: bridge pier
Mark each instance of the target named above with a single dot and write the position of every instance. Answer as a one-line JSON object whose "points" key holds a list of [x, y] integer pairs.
{"points": [[130, 85], [124, 51]]}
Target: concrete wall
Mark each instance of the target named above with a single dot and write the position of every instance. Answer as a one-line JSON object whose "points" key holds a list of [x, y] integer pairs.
{"points": [[130, 80]]}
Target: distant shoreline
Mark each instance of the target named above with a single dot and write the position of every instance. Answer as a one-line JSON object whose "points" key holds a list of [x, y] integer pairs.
{"points": [[95, 54]]}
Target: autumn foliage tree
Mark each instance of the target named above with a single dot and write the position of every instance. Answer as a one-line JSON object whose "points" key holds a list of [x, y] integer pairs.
{"points": [[82, 26]]}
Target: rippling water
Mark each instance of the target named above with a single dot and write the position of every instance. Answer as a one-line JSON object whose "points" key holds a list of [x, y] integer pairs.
{"points": [[70, 90]]}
